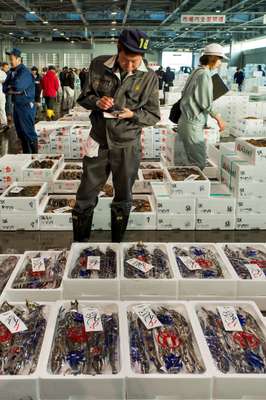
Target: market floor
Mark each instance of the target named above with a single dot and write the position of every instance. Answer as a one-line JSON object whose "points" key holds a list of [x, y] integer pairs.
{"points": [[20, 241]]}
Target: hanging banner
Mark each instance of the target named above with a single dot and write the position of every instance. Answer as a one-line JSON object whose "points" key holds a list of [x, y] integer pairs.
{"points": [[202, 19]]}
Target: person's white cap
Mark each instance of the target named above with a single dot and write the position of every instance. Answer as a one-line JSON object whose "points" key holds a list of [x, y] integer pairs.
{"points": [[214, 49]]}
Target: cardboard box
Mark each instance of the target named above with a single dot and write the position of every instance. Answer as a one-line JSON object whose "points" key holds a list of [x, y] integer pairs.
{"points": [[151, 385], [215, 222], [102, 386], [23, 205]]}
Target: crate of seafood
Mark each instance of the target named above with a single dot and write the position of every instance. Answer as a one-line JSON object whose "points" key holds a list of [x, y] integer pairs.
{"points": [[83, 355], [203, 271], [249, 263], [56, 213], [150, 165], [92, 271], [67, 181], [188, 181], [8, 262], [38, 276], [72, 165], [252, 150], [23, 197], [163, 355], [148, 176], [40, 170], [235, 334], [105, 199], [143, 213], [23, 328], [146, 272]]}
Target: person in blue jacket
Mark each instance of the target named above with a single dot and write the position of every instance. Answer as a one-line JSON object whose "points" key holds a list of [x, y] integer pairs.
{"points": [[21, 86]]}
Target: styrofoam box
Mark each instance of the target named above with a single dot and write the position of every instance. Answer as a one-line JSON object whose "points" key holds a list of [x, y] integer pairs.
{"points": [[101, 220], [192, 288], [251, 221], [64, 185], [216, 203], [56, 157], [13, 294], [247, 287], [90, 288], [96, 387], [182, 222], [166, 205], [255, 155], [23, 204], [167, 386], [232, 385], [244, 189], [251, 205], [143, 220], [215, 222], [55, 221], [211, 170], [197, 188], [25, 386], [145, 184], [144, 289], [74, 163], [3, 257], [39, 174], [12, 165], [19, 222], [154, 164], [242, 171]]}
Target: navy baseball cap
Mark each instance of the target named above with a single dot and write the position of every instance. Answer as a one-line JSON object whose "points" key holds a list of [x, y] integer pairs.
{"points": [[134, 40], [14, 52]]}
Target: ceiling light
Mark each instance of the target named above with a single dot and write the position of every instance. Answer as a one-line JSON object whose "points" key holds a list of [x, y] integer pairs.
{"points": [[32, 12], [186, 29], [55, 29], [10, 33], [113, 29], [245, 29], [114, 12], [62, 34], [72, 41], [45, 22], [218, 11], [67, 38], [114, 22]]}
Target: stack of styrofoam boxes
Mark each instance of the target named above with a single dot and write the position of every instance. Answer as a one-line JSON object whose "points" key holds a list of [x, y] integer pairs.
{"points": [[60, 219], [173, 213], [172, 149], [247, 126], [21, 213], [79, 135], [66, 185], [151, 142], [43, 174], [11, 167], [143, 220], [52, 136], [216, 211], [144, 184], [217, 151], [60, 142], [249, 183]]}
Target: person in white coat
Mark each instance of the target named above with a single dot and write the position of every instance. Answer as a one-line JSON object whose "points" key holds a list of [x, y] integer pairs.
{"points": [[3, 117]]}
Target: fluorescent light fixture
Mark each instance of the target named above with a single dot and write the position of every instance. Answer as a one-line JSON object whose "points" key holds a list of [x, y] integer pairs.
{"points": [[10, 33], [62, 34], [114, 12], [113, 29], [45, 22], [218, 11], [55, 29], [72, 41], [114, 22], [32, 12]]}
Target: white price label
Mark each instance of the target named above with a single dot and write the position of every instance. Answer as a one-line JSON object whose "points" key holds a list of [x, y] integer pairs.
{"points": [[256, 272], [37, 264], [230, 319], [147, 316], [92, 320], [140, 265], [94, 263], [62, 210], [191, 177], [13, 323], [190, 263], [16, 189]]}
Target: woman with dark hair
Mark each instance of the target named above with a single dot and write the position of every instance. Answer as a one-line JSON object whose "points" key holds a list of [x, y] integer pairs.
{"points": [[197, 103]]}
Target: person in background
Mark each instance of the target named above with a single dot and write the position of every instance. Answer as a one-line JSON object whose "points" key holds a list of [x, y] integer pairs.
{"points": [[261, 70], [239, 78], [160, 73], [3, 116], [62, 75], [44, 71], [121, 83], [82, 77], [169, 77], [68, 86], [21, 85], [50, 85], [9, 106], [197, 104], [37, 79], [77, 88]]}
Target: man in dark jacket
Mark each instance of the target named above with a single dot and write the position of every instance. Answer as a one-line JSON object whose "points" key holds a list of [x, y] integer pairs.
{"points": [[169, 78], [21, 85], [123, 88], [239, 77], [68, 85]]}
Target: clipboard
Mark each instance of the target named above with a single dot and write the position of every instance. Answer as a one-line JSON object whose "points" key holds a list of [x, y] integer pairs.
{"points": [[219, 87]]}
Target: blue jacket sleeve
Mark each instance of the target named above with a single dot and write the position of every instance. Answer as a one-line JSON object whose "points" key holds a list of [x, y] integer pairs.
{"points": [[22, 81], [7, 83]]}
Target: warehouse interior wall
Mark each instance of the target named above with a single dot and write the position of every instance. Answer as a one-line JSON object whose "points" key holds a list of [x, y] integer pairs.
{"points": [[255, 56]]}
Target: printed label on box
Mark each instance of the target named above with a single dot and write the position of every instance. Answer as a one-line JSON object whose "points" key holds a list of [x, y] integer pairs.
{"points": [[16, 189], [94, 263], [256, 272], [92, 320], [38, 264], [147, 316], [12, 322], [230, 319], [190, 263], [140, 265]]}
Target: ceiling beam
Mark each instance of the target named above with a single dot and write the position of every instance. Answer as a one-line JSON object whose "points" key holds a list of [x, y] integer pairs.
{"points": [[129, 2], [173, 13], [79, 11]]}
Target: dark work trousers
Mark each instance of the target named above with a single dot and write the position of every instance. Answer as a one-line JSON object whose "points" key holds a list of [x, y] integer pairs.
{"points": [[124, 165], [24, 120]]}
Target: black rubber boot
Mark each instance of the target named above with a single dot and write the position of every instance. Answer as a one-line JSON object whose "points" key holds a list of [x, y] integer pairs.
{"points": [[82, 226], [119, 222], [34, 146]]}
